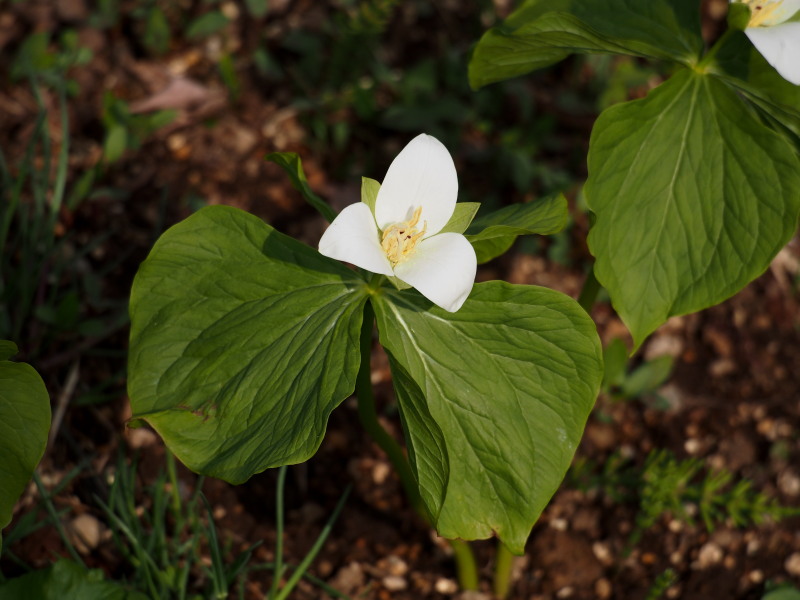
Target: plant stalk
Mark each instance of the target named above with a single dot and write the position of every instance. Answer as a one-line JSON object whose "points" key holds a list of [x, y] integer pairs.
{"points": [[712, 53], [466, 566], [503, 564]]}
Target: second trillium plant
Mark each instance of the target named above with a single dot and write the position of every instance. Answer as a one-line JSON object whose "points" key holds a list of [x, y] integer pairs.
{"points": [[243, 340]]}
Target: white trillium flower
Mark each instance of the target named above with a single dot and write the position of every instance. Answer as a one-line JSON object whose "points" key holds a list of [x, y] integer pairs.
{"points": [[402, 239], [777, 40]]}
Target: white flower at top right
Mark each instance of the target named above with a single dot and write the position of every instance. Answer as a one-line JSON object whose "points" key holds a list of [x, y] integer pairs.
{"points": [[774, 37]]}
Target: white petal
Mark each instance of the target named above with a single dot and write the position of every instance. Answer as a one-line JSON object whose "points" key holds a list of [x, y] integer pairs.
{"points": [[353, 238], [785, 10], [442, 269], [780, 45], [423, 174]]}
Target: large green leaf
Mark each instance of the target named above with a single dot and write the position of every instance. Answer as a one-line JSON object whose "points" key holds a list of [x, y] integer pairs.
{"points": [[543, 32], [494, 400], [743, 67], [493, 234], [693, 198], [24, 425], [243, 340], [65, 580]]}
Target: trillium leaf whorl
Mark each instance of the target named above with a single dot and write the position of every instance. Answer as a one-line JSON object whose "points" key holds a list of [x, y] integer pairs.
{"points": [[404, 238]]}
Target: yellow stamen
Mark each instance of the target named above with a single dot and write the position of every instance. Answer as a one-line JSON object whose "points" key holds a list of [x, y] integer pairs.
{"points": [[399, 241], [761, 11]]}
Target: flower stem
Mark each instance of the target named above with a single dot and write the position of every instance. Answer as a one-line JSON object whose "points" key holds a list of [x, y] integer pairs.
{"points": [[369, 417], [712, 53], [466, 567], [465, 560], [589, 292], [503, 563]]}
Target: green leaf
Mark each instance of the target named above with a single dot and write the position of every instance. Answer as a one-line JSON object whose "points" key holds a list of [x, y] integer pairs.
{"points": [[369, 192], [494, 399], [116, 143], [291, 163], [462, 217], [783, 593], [156, 31], [740, 65], [257, 8], [493, 234], [206, 25], [486, 250], [543, 32], [648, 377], [615, 363], [24, 425], [7, 349], [243, 340], [65, 580], [693, 198]]}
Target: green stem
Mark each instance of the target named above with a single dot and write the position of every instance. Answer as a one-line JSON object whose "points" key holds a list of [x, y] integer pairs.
{"points": [[589, 292], [503, 563], [703, 64], [276, 578], [466, 567], [465, 559], [369, 417]]}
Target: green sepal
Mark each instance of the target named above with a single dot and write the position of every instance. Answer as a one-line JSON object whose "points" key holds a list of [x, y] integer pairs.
{"points": [[369, 192], [738, 16], [463, 214]]}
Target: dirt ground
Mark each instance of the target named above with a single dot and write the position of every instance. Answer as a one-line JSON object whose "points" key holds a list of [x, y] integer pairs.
{"points": [[733, 399]]}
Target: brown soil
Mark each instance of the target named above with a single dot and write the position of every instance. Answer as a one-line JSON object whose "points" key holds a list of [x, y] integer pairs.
{"points": [[732, 399]]}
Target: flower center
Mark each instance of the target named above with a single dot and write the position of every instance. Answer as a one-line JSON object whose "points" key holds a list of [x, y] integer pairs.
{"points": [[762, 11], [399, 241]]}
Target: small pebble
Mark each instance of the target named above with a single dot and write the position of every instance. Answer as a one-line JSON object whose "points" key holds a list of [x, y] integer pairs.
{"points": [[86, 532], [602, 552], [380, 472], [394, 583], [792, 564], [675, 526], [692, 446], [756, 576], [710, 554], [565, 592], [559, 524], [602, 588], [445, 586], [789, 483], [396, 566], [648, 558]]}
